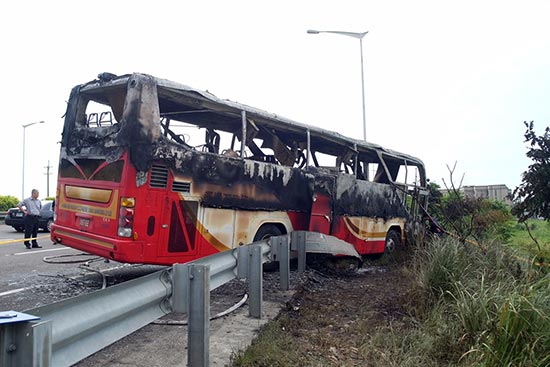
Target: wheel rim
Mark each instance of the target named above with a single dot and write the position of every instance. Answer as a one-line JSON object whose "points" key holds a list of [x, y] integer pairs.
{"points": [[390, 245]]}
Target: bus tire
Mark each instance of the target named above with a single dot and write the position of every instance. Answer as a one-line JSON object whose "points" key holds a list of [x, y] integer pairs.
{"points": [[393, 242], [266, 231]]}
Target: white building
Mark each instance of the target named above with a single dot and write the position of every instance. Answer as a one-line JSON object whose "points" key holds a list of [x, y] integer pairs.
{"points": [[494, 192]]}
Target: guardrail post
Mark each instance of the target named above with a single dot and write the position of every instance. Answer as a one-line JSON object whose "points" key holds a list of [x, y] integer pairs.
{"points": [[280, 246], [191, 295], [243, 254], [25, 343], [42, 343], [255, 281], [180, 288], [298, 242], [198, 331]]}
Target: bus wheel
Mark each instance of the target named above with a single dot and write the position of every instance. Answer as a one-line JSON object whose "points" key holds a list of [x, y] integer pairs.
{"points": [[393, 242], [266, 231]]}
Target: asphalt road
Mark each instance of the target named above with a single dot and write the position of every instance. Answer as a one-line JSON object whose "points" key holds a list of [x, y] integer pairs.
{"points": [[31, 278]]}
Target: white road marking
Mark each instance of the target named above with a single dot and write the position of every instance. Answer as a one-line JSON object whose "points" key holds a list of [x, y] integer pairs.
{"points": [[14, 291], [40, 251]]}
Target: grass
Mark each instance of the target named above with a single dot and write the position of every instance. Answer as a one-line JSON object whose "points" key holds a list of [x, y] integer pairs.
{"points": [[467, 306], [490, 309], [521, 240], [273, 347]]}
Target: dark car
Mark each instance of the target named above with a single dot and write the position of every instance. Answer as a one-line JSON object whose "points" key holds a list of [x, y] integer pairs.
{"points": [[14, 217]]}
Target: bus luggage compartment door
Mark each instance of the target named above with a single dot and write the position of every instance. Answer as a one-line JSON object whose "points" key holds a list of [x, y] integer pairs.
{"points": [[178, 227]]}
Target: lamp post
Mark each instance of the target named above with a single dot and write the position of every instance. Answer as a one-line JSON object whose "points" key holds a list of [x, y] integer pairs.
{"points": [[25, 126], [358, 35]]}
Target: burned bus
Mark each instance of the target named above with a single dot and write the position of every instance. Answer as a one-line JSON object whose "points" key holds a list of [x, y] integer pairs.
{"points": [[152, 171]]}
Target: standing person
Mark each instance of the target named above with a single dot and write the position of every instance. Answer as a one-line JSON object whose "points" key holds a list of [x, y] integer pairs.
{"points": [[31, 207]]}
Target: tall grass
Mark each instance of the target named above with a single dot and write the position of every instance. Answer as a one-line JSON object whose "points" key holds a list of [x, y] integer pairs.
{"points": [[486, 307], [522, 334]]}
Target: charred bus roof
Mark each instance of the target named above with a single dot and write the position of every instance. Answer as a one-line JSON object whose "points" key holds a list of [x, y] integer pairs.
{"points": [[183, 103]]}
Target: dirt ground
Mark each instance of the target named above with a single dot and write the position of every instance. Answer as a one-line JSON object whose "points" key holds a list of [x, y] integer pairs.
{"points": [[331, 315]]}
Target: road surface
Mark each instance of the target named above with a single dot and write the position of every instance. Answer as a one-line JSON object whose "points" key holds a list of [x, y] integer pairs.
{"points": [[34, 277]]}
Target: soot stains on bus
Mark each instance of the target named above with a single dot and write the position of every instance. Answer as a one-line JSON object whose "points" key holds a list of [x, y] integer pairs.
{"points": [[227, 182]]}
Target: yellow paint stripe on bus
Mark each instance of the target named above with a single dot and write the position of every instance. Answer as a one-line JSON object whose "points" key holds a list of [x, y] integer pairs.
{"points": [[363, 234], [218, 245], [211, 239], [87, 239]]}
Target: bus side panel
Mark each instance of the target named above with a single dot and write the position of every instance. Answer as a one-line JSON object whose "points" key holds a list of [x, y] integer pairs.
{"points": [[365, 242], [368, 235], [217, 230], [321, 214], [299, 221], [234, 228]]}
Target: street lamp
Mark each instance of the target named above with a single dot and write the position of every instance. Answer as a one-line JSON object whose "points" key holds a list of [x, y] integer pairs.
{"points": [[25, 126], [360, 36]]}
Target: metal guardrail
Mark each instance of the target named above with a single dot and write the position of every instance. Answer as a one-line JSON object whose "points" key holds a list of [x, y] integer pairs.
{"points": [[70, 330]]}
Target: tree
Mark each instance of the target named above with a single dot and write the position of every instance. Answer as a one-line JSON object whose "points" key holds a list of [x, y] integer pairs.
{"points": [[532, 196], [469, 217], [435, 194]]}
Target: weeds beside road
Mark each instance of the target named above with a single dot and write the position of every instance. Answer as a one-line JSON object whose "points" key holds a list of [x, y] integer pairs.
{"points": [[442, 304]]}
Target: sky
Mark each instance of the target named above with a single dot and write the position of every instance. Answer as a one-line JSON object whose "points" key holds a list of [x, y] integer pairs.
{"points": [[448, 82]]}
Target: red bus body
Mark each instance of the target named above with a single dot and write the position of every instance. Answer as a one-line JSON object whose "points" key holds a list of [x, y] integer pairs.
{"points": [[132, 190]]}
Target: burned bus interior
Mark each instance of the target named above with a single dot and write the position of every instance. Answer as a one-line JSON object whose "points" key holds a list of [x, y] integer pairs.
{"points": [[199, 120], [167, 119]]}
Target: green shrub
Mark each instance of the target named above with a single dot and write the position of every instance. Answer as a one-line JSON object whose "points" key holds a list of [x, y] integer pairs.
{"points": [[7, 202]]}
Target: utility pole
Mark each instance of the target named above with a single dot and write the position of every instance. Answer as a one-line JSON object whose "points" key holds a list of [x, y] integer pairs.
{"points": [[48, 173]]}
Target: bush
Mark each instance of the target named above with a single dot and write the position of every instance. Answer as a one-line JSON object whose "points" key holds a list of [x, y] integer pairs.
{"points": [[7, 202], [477, 218]]}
